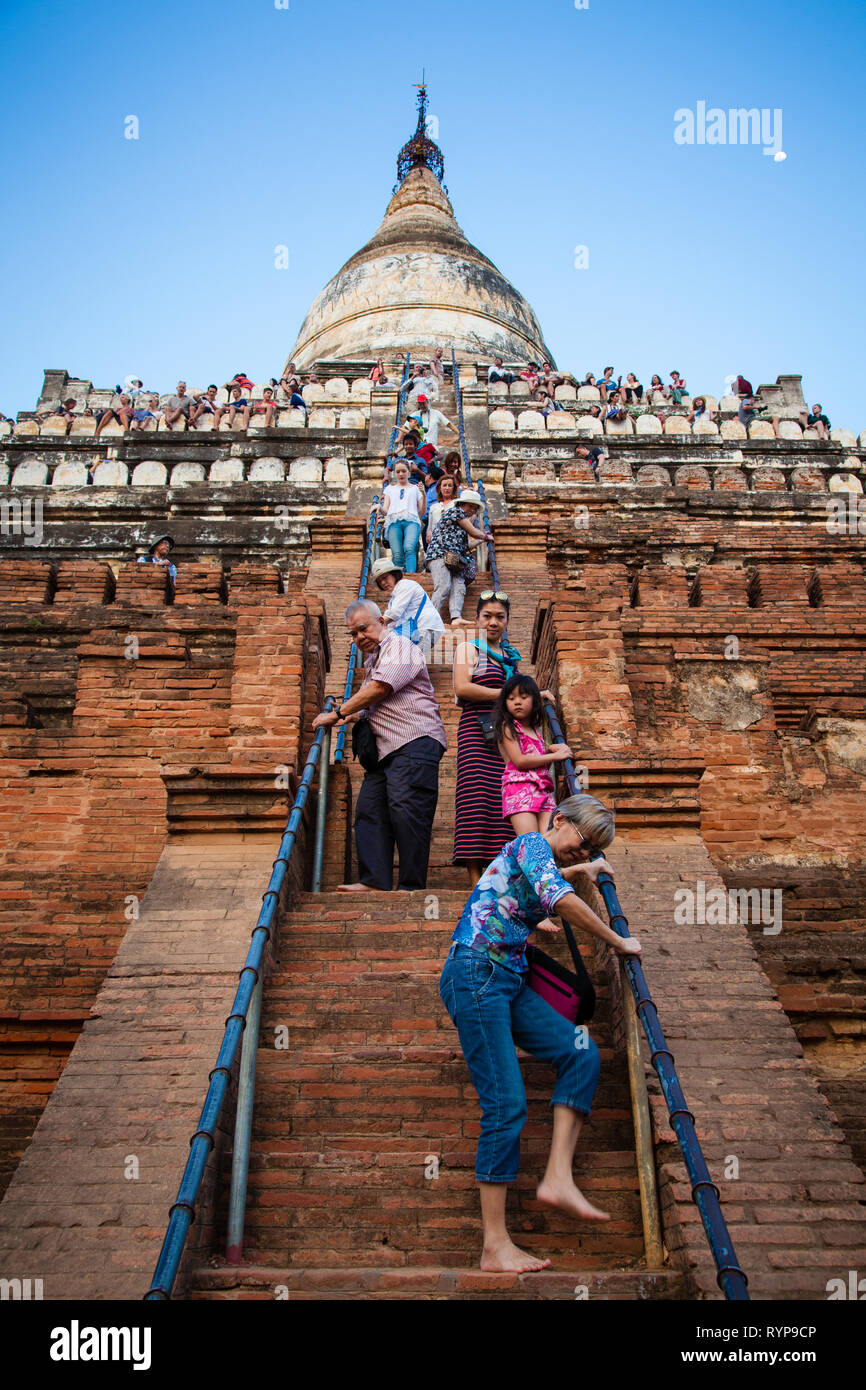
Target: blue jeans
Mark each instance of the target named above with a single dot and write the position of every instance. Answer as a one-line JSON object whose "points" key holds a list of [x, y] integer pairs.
{"points": [[403, 538], [494, 1009]]}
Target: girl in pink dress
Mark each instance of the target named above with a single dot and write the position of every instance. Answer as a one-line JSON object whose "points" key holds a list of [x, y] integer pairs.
{"points": [[527, 785]]}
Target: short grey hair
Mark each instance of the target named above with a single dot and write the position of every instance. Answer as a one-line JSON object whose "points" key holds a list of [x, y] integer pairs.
{"points": [[594, 820], [365, 605]]}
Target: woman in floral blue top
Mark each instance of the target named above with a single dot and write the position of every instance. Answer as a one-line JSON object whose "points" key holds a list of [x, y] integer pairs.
{"points": [[484, 989]]}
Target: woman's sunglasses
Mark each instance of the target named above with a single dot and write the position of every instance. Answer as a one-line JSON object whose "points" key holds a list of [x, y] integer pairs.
{"points": [[496, 593]]}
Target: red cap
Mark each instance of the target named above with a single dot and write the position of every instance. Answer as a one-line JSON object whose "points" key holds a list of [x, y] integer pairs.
{"points": [[422, 398]]}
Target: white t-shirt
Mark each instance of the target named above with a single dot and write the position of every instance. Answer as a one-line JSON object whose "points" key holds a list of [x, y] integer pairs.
{"points": [[430, 422], [435, 514], [405, 506], [403, 605]]}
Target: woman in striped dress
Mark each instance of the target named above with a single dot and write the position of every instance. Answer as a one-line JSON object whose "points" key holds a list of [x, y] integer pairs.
{"points": [[481, 668]]}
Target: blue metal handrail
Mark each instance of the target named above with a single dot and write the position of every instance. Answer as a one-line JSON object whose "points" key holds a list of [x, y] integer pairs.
{"points": [[730, 1277], [182, 1212], [353, 653]]}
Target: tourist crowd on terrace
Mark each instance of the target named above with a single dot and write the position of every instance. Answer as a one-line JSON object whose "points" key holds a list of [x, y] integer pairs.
{"points": [[240, 403]]}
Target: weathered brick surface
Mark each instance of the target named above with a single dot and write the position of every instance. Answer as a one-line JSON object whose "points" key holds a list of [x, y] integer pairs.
{"points": [[124, 720], [133, 1087], [796, 1208]]}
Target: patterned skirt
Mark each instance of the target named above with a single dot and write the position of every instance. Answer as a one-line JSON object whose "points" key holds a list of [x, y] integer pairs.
{"points": [[480, 830]]}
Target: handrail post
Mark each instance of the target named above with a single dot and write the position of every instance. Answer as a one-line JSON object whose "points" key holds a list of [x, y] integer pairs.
{"points": [[243, 1128], [250, 1044], [653, 1243], [321, 812]]}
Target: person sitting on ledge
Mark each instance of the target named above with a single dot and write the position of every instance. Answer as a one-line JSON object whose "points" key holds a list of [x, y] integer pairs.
{"points": [[378, 375], [815, 420], [237, 402], [699, 412], [289, 390], [531, 377], [678, 388], [204, 405], [633, 390], [616, 408], [607, 383], [122, 413], [146, 411], [590, 455], [551, 379], [177, 405], [485, 991], [658, 385], [267, 406], [751, 409], [242, 380], [546, 401], [498, 373], [398, 796], [158, 555], [65, 411]]}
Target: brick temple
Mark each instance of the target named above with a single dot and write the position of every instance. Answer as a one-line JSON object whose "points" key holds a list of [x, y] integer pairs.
{"points": [[698, 609]]}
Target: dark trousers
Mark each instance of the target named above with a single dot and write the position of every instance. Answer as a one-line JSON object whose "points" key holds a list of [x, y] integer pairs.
{"points": [[396, 805]]}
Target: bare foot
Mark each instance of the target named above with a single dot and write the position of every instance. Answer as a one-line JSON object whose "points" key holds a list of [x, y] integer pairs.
{"points": [[569, 1198], [507, 1258], [358, 888]]}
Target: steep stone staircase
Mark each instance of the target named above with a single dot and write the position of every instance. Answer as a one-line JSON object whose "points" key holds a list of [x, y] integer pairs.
{"points": [[362, 1163]]}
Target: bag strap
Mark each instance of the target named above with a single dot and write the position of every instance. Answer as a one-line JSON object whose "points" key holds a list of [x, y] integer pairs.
{"points": [[580, 969], [413, 620]]}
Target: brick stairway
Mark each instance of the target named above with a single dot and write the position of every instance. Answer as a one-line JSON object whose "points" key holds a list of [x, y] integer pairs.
{"points": [[371, 1098]]}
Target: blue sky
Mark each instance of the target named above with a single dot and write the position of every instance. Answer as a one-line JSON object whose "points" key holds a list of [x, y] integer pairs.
{"points": [[261, 127]]}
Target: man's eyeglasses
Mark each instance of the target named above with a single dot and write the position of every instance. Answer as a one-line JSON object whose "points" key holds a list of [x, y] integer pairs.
{"points": [[493, 593]]}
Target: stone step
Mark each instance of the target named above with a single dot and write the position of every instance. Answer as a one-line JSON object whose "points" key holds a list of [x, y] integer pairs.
{"points": [[417, 1282]]}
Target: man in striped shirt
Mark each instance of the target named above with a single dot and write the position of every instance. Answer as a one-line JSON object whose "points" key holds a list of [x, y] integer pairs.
{"points": [[397, 800]]}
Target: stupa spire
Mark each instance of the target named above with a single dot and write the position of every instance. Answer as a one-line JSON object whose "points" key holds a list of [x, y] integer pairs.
{"points": [[420, 152]]}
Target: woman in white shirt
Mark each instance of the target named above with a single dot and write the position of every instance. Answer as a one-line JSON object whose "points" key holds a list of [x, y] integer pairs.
{"points": [[410, 612], [403, 506]]}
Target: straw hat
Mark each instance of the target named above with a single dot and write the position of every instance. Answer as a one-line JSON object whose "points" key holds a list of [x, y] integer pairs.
{"points": [[471, 496], [385, 566]]}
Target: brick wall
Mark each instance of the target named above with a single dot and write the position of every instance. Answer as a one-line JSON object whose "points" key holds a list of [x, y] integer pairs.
{"points": [[126, 719]]}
